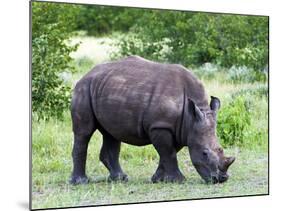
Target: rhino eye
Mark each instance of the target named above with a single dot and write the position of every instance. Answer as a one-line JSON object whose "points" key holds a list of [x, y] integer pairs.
{"points": [[220, 150], [205, 154]]}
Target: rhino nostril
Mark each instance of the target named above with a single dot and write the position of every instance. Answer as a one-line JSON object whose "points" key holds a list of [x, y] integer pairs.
{"points": [[214, 179], [223, 178]]}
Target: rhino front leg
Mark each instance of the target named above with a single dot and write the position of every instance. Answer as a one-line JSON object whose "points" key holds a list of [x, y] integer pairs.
{"points": [[109, 156], [168, 170], [159, 174]]}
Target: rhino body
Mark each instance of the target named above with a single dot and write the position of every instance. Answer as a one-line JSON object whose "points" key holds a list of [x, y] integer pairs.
{"points": [[142, 102]]}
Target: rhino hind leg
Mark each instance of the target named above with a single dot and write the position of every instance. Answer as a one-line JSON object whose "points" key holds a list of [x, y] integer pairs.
{"points": [[79, 155], [84, 125], [168, 170], [109, 156]]}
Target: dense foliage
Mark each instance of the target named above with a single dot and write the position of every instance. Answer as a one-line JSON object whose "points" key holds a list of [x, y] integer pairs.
{"points": [[196, 38], [233, 121], [227, 48], [241, 121], [101, 20], [189, 38], [51, 27]]}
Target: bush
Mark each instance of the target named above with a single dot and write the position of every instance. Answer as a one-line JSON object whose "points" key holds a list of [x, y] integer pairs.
{"points": [[52, 25], [132, 44], [101, 20], [242, 122], [233, 121], [245, 74], [255, 93], [198, 38], [207, 71]]}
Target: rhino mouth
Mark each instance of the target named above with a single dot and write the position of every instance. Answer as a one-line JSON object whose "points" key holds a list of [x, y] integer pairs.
{"points": [[219, 178], [212, 177]]}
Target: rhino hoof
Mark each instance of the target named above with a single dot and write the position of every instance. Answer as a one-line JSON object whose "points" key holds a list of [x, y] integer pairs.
{"points": [[157, 178], [179, 178], [77, 180], [118, 177]]}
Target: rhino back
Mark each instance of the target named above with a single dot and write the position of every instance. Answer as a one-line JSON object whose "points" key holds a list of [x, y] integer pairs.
{"points": [[132, 95]]}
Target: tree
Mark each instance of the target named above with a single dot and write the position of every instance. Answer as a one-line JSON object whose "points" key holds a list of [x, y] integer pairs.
{"points": [[52, 25], [196, 38]]}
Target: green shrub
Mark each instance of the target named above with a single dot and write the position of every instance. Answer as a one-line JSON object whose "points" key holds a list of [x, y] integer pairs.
{"points": [[101, 20], [257, 92], [198, 38], [52, 25], [250, 55], [245, 74], [233, 121], [243, 120], [132, 44]]}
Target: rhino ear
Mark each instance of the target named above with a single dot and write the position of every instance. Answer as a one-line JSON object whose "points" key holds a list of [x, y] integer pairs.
{"points": [[215, 103], [194, 111]]}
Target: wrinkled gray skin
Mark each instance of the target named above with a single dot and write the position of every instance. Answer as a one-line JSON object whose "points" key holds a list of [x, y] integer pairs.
{"points": [[141, 102]]}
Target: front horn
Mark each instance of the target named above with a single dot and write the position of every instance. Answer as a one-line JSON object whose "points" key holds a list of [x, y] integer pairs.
{"points": [[228, 161]]}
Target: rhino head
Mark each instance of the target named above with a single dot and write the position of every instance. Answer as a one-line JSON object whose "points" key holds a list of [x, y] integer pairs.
{"points": [[206, 154]]}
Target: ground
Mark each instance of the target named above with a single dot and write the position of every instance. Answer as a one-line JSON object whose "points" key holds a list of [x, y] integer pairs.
{"points": [[52, 169], [51, 159]]}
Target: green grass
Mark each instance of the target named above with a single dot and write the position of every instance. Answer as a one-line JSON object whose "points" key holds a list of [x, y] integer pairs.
{"points": [[52, 163], [51, 167]]}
